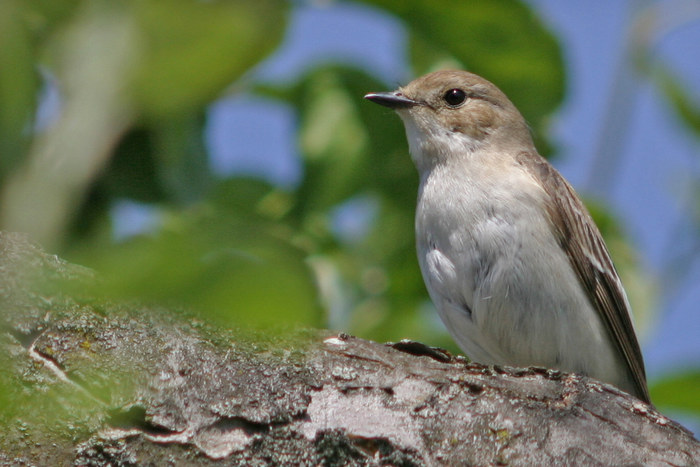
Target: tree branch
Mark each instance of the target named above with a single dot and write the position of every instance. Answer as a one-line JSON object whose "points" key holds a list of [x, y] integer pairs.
{"points": [[93, 383]]}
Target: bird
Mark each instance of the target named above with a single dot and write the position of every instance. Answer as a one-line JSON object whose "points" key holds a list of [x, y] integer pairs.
{"points": [[511, 258]]}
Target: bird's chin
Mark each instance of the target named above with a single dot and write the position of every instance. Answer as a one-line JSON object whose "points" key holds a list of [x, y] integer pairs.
{"points": [[417, 139]]}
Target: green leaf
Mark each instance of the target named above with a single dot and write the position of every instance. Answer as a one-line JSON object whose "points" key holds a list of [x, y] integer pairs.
{"points": [[182, 159], [678, 392], [332, 138], [349, 145], [228, 262], [678, 96], [19, 85], [193, 50]]}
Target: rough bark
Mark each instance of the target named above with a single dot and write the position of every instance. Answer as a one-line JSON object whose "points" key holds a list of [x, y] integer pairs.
{"points": [[93, 383]]}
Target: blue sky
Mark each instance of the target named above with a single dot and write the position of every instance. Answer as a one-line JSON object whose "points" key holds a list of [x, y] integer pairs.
{"points": [[652, 170]]}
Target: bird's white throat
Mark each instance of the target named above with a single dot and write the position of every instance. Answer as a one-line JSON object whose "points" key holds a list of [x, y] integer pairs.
{"points": [[428, 145]]}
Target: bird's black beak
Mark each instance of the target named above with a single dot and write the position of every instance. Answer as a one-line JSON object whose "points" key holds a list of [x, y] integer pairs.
{"points": [[393, 100]]}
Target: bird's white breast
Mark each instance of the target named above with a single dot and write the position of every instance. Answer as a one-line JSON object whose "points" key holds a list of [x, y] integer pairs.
{"points": [[499, 278]]}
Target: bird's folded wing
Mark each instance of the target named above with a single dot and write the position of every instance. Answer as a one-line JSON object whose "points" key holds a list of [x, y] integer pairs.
{"points": [[582, 241]]}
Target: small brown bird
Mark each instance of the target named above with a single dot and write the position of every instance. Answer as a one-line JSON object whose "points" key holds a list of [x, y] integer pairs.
{"points": [[513, 262]]}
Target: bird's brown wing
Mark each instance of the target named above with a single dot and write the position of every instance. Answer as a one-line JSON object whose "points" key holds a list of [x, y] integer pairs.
{"points": [[581, 239]]}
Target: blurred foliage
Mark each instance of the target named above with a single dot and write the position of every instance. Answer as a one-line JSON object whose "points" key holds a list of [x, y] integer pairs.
{"points": [[679, 98], [135, 79], [678, 392], [501, 39], [225, 259]]}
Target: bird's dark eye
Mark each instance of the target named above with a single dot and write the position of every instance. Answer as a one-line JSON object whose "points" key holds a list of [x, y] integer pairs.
{"points": [[455, 97]]}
